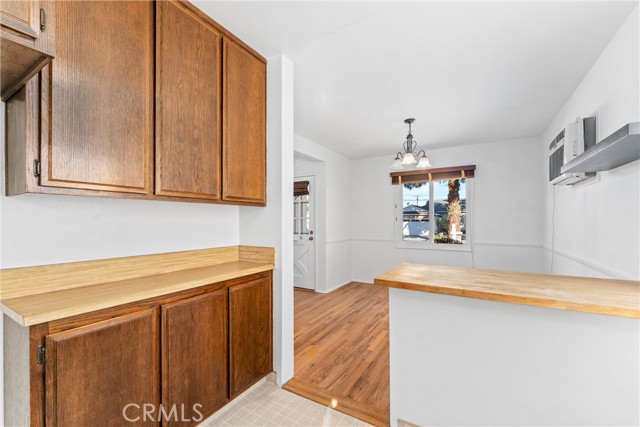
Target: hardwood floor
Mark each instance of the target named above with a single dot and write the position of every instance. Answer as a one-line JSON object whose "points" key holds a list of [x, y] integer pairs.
{"points": [[342, 350]]}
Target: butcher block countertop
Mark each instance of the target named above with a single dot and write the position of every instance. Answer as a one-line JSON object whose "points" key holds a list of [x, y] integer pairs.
{"points": [[34, 295], [589, 295]]}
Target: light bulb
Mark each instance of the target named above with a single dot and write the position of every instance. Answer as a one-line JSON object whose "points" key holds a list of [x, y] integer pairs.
{"points": [[424, 162], [408, 159], [397, 164]]}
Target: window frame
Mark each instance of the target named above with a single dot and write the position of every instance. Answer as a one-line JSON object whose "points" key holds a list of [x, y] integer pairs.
{"points": [[400, 243]]}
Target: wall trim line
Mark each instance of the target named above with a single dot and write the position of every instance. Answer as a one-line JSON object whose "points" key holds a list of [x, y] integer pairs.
{"points": [[614, 274]]}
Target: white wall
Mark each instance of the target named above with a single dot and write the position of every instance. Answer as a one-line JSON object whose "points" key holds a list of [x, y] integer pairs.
{"points": [[41, 229], [272, 226], [461, 361], [597, 231], [507, 226], [335, 184]]}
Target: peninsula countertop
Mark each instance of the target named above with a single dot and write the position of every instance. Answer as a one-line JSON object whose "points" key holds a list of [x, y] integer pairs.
{"points": [[34, 295], [584, 294]]}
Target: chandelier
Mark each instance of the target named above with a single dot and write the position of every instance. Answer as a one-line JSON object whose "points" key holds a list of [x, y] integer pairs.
{"points": [[409, 158]]}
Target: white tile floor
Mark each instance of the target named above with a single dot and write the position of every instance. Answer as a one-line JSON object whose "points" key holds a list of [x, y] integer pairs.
{"points": [[265, 404]]}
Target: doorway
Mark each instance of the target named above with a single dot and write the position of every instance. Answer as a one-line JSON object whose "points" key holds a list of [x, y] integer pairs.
{"points": [[304, 243]]}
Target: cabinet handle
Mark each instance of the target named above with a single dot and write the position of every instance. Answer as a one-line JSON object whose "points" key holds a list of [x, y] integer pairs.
{"points": [[43, 23]]}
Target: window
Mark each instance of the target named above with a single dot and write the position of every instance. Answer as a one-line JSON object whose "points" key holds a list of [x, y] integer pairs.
{"points": [[434, 215], [301, 214]]}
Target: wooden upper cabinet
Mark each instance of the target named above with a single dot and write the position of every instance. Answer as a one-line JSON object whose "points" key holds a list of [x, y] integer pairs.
{"points": [[144, 99], [188, 102], [94, 371], [250, 334], [194, 356], [244, 144], [100, 95], [22, 16], [26, 39]]}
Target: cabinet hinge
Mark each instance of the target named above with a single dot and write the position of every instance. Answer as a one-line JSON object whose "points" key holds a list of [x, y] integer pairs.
{"points": [[40, 354], [36, 168]]}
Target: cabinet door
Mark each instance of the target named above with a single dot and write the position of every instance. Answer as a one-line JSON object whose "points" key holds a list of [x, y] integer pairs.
{"points": [[25, 47], [95, 371], [244, 135], [188, 106], [250, 340], [21, 16], [194, 356], [100, 97]]}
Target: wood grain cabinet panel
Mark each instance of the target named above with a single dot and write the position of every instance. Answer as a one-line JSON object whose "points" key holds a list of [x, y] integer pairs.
{"points": [[203, 346], [25, 47], [194, 357], [250, 334], [21, 16], [244, 134], [188, 126], [144, 100], [94, 371], [100, 97]]}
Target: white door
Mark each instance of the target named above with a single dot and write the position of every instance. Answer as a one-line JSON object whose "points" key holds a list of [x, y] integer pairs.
{"points": [[304, 245]]}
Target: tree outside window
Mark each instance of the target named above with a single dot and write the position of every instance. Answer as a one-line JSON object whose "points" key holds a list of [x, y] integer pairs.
{"points": [[437, 209]]}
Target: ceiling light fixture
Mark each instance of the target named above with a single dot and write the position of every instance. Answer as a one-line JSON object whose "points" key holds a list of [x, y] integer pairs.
{"points": [[409, 157]]}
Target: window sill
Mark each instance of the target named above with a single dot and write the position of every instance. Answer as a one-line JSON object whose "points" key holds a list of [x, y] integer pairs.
{"points": [[429, 246]]}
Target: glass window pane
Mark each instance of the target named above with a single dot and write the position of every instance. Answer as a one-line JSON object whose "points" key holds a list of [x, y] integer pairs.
{"points": [[304, 217], [450, 211], [296, 215], [415, 212]]}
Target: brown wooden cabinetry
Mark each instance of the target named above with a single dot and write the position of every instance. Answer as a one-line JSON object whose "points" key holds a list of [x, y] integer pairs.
{"points": [[244, 136], [93, 372], [194, 355], [250, 334], [188, 101], [27, 41], [21, 16], [190, 352], [146, 100], [99, 93]]}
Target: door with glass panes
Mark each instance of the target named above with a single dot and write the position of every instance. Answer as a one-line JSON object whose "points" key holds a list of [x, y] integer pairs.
{"points": [[304, 248]]}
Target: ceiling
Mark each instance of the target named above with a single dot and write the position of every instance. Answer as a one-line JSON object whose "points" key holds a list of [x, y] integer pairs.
{"points": [[469, 72]]}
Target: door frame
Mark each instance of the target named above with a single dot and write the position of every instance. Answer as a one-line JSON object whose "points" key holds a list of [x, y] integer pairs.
{"points": [[312, 190]]}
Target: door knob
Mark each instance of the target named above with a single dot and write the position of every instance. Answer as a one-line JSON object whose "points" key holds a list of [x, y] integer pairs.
{"points": [[310, 237]]}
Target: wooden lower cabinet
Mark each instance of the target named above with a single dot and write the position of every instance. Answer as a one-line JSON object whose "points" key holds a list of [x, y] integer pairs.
{"points": [[93, 372], [250, 334], [183, 355], [194, 357]]}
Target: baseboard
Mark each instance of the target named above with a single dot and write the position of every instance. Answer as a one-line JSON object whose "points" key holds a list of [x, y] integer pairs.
{"points": [[334, 288], [365, 281]]}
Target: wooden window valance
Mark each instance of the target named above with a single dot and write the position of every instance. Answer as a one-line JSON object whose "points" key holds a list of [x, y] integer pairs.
{"points": [[301, 188], [433, 174]]}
